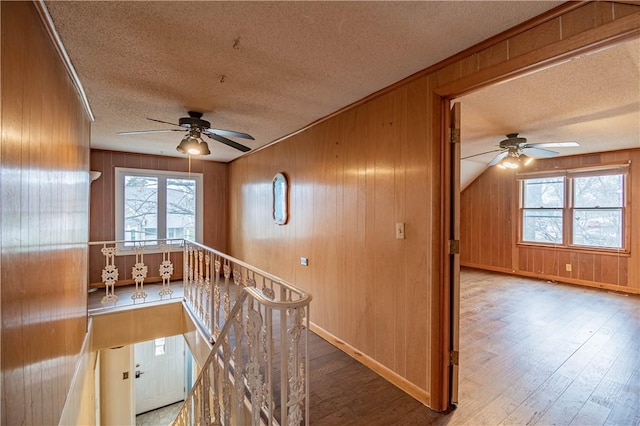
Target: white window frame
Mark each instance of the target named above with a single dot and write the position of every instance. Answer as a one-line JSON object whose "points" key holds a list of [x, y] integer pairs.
{"points": [[524, 209], [568, 207], [162, 176]]}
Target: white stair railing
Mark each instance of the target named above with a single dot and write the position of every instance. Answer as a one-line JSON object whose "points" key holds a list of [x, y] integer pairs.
{"points": [[257, 372], [123, 264]]}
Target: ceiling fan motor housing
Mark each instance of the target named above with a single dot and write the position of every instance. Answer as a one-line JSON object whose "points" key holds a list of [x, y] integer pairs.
{"points": [[512, 141], [194, 123]]}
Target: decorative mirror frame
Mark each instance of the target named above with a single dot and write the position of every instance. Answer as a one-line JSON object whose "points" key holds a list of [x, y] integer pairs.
{"points": [[280, 193]]}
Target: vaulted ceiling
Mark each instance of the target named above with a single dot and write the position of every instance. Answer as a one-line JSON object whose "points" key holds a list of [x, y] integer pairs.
{"points": [[271, 68], [593, 100]]}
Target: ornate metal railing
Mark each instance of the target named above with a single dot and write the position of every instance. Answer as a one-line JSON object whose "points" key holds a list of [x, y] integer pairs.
{"points": [[258, 370], [123, 263]]}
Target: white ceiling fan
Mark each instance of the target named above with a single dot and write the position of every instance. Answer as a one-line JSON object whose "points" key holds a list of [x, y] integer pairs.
{"points": [[515, 151]]}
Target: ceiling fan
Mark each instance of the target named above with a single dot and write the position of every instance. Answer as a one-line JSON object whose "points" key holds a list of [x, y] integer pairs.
{"points": [[192, 143], [515, 150]]}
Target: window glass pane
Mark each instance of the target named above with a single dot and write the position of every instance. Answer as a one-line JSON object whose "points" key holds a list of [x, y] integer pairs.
{"points": [[598, 191], [140, 208], [542, 225], [160, 346], [181, 208], [597, 227], [544, 192]]}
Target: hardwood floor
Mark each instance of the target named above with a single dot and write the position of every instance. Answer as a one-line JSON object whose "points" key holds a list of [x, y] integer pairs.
{"points": [[531, 352]]}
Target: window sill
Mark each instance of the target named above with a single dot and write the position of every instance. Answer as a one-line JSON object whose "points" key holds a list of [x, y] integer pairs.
{"points": [[579, 249], [128, 251]]}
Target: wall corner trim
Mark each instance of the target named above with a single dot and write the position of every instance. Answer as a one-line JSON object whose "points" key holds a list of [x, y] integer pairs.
{"points": [[73, 401], [57, 42]]}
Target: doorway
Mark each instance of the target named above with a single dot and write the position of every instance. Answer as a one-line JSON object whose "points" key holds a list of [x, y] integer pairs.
{"points": [[159, 373], [613, 113]]}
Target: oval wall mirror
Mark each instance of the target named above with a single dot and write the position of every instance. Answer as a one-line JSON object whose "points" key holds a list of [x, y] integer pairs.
{"points": [[280, 189]]}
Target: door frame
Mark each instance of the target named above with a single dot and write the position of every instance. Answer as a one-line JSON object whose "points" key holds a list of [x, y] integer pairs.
{"points": [[603, 36]]}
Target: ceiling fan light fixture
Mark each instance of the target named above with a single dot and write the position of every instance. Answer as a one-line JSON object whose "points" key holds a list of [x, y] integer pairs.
{"points": [[188, 146], [204, 148], [193, 144], [509, 163], [525, 159]]}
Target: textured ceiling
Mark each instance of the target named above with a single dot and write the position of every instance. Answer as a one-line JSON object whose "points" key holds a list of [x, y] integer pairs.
{"points": [[265, 68], [593, 100]]}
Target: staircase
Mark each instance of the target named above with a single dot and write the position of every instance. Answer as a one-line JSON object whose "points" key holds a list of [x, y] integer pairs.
{"points": [[257, 371]]}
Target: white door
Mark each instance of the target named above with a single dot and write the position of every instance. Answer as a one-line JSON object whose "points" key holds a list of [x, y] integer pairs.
{"points": [[159, 373]]}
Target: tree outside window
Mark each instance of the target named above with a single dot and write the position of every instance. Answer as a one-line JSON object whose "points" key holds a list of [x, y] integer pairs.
{"points": [[597, 214]]}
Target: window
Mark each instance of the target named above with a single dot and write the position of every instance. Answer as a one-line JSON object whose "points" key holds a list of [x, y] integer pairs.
{"points": [[153, 205], [578, 208], [597, 210], [543, 201], [159, 346]]}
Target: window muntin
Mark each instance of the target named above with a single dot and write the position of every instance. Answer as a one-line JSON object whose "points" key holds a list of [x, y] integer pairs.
{"points": [[576, 208], [154, 205]]}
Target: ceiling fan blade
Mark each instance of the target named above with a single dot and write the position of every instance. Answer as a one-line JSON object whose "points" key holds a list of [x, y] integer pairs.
{"points": [[498, 158], [230, 133], [552, 145], [482, 153], [228, 142], [538, 152], [140, 132], [164, 122]]}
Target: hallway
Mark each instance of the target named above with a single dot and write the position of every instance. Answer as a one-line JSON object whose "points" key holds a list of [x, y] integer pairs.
{"points": [[531, 352]]}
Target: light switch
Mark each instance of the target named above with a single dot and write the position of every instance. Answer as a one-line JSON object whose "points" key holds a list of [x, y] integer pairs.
{"points": [[400, 231]]}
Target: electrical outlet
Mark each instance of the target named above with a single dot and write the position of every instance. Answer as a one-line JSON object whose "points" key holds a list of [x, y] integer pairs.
{"points": [[400, 231], [304, 261], [568, 267]]}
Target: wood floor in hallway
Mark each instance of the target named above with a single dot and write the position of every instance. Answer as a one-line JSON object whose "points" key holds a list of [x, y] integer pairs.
{"points": [[531, 352]]}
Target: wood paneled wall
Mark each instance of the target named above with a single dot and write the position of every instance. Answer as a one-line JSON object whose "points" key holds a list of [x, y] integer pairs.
{"points": [[487, 213], [489, 230], [215, 193], [356, 174], [351, 180], [44, 187]]}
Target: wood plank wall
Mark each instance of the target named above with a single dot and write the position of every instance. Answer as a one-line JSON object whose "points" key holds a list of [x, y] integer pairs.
{"points": [[357, 173], [352, 179], [102, 220], [489, 214], [44, 187]]}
